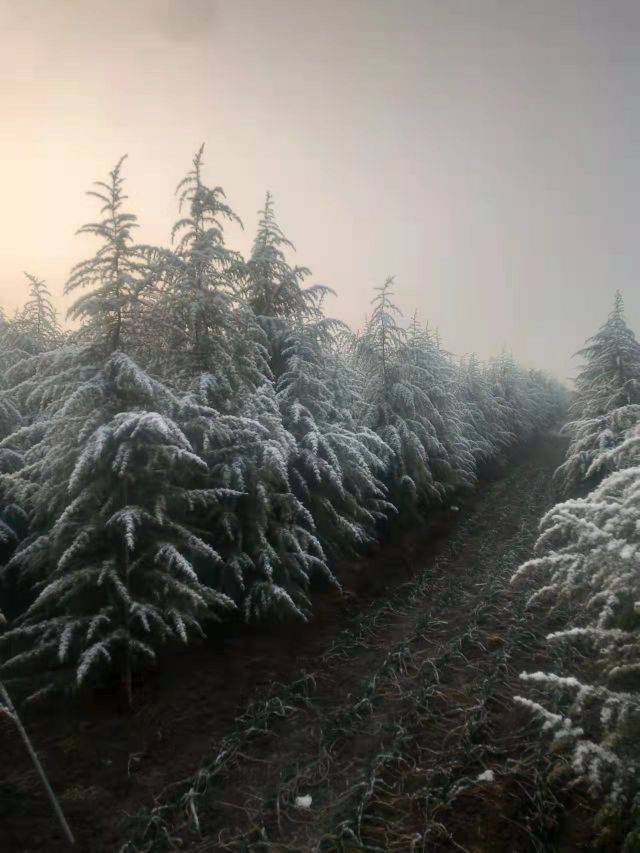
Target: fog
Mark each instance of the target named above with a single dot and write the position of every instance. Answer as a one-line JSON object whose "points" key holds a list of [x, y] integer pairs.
{"points": [[483, 152]]}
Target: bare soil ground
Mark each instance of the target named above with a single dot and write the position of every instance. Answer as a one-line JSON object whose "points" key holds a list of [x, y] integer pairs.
{"points": [[385, 710]]}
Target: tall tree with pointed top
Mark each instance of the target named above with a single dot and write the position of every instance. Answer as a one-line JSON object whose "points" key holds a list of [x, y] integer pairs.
{"points": [[111, 483], [35, 327], [111, 277], [451, 459], [397, 408], [274, 289], [606, 401], [338, 465], [212, 343]]}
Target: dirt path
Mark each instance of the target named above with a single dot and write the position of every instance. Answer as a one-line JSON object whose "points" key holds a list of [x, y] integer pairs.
{"points": [[385, 713], [403, 734]]}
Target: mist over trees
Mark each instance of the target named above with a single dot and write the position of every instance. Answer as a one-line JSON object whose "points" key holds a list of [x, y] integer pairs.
{"points": [[207, 441]]}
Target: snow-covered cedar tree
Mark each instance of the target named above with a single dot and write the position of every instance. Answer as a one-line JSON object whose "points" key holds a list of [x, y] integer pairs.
{"points": [[337, 467], [606, 399], [122, 566], [274, 289], [34, 328], [41, 384], [586, 576], [547, 399], [208, 340], [112, 485], [435, 374], [510, 395], [110, 279], [589, 566], [263, 532], [479, 427], [399, 409]]}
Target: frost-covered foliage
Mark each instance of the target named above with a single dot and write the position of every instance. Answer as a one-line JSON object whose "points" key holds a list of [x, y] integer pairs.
{"points": [[122, 567], [111, 484], [338, 466], [586, 577], [34, 329], [207, 441], [111, 278], [433, 372], [606, 400], [262, 530], [441, 421], [483, 425], [273, 288], [397, 406], [206, 338]]}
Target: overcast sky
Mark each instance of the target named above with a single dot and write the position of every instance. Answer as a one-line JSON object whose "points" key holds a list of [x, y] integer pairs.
{"points": [[485, 152]]}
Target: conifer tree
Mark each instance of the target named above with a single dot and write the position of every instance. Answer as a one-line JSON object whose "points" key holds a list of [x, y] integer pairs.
{"points": [[213, 346], [38, 318], [397, 408], [34, 329], [274, 289], [337, 467], [433, 372], [111, 485], [110, 279], [516, 393], [610, 377], [264, 533], [607, 398], [586, 576]]}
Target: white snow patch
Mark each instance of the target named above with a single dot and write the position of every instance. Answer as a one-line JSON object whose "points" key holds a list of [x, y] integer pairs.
{"points": [[487, 776]]}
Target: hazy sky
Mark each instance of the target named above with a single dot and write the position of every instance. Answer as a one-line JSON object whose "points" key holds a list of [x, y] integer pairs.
{"points": [[483, 151]]}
